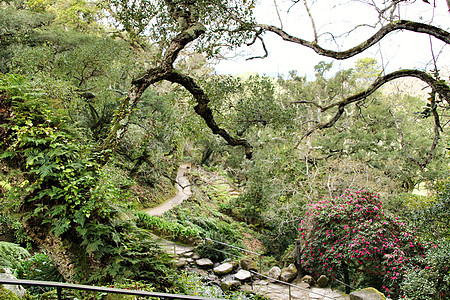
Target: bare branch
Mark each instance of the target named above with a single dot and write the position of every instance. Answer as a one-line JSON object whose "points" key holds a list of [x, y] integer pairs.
{"points": [[278, 13], [266, 53], [316, 39], [394, 26]]}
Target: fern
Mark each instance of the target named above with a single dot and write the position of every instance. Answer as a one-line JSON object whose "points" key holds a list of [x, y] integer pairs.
{"points": [[11, 255]]}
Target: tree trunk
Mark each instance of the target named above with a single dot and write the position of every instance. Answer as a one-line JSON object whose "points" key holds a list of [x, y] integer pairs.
{"points": [[55, 248], [346, 276]]}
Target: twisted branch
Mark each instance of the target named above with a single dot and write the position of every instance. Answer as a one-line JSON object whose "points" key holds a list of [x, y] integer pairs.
{"points": [[394, 26], [442, 90]]}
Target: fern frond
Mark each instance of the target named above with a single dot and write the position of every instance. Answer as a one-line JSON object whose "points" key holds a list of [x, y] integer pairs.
{"points": [[11, 255]]}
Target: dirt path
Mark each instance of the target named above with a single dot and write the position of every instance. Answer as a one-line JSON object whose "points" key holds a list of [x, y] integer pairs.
{"points": [[184, 191]]}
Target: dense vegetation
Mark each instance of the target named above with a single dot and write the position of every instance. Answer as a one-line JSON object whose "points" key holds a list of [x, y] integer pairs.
{"points": [[100, 101]]}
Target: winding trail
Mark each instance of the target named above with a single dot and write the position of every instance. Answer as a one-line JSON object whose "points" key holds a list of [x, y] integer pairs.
{"points": [[184, 192]]}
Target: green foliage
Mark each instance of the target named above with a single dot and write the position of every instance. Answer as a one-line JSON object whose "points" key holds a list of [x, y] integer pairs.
{"points": [[11, 255], [167, 229], [155, 20], [63, 194], [431, 280], [215, 251], [39, 267], [432, 220]]}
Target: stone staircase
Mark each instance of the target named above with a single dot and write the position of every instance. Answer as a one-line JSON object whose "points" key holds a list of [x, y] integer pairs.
{"points": [[229, 275]]}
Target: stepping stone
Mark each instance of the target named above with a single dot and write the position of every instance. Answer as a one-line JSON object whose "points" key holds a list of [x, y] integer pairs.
{"points": [[188, 254], [227, 285], [204, 263], [223, 269], [243, 275], [180, 263]]}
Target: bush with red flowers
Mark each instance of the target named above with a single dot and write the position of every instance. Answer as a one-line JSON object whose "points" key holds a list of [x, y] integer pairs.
{"points": [[351, 238]]}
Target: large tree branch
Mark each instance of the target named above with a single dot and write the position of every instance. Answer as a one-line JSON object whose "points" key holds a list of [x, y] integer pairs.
{"points": [[191, 30], [391, 27], [438, 87], [203, 110]]}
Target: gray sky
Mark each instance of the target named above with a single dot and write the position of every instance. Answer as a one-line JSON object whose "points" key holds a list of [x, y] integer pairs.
{"points": [[397, 50]]}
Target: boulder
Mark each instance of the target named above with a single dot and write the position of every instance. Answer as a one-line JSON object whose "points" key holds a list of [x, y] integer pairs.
{"points": [[289, 273], [243, 275], [308, 279], [204, 263], [274, 273], [223, 269], [322, 281], [18, 290], [367, 294], [248, 264]]}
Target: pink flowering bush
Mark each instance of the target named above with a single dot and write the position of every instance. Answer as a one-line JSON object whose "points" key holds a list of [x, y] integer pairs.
{"points": [[351, 234]]}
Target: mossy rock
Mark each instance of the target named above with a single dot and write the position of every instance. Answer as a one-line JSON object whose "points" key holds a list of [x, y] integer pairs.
{"points": [[7, 294], [369, 293]]}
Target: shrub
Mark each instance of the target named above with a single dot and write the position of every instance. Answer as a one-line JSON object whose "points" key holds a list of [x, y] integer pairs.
{"points": [[350, 235], [430, 279]]}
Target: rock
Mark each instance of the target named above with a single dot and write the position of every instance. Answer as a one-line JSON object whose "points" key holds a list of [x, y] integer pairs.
{"points": [[367, 294], [180, 263], [261, 282], [229, 284], [212, 278], [289, 273], [188, 254], [274, 273], [195, 256], [233, 262], [300, 283], [18, 290], [243, 275], [308, 279], [223, 269], [248, 264], [322, 281], [204, 263]]}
